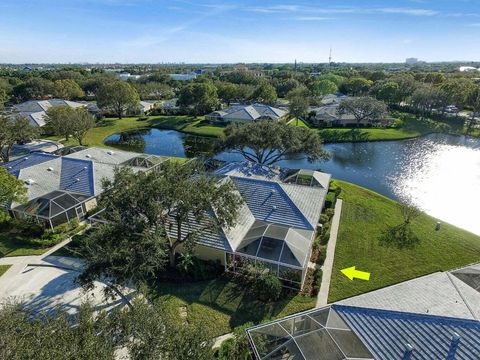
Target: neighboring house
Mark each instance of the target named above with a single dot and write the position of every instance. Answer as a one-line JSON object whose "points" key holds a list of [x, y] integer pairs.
{"points": [[183, 77], [35, 110], [146, 106], [63, 188], [244, 113], [169, 105], [432, 317], [126, 76], [329, 115], [276, 224], [244, 69]]}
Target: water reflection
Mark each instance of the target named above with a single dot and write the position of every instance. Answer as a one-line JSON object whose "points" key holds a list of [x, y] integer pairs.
{"points": [[439, 173]]}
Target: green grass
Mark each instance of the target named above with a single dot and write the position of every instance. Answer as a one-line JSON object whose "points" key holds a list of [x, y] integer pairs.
{"points": [[365, 216], [187, 124], [221, 305], [3, 269], [8, 247]]}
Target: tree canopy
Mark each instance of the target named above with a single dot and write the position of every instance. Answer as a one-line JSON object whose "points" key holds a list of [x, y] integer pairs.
{"points": [[15, 131], [268, 142], [364, 108], [299, 100], [67, 89], [11, 189], [182, 204], [67, 121], [117, 97], [201, 97]]}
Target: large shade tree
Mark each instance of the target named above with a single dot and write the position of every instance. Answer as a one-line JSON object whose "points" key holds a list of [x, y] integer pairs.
{"points": [[201, 97], [268, 142], [13, 131], [67, 89], [11, 189], [67, 121], [298, 102], [117, 97], [182, 203], [364, 108]]}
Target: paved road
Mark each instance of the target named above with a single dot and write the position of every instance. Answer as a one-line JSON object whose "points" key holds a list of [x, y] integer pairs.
{"points": [[327, 267]]}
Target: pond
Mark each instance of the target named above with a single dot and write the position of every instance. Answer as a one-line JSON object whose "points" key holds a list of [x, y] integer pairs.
{"points": [[438, 173]]}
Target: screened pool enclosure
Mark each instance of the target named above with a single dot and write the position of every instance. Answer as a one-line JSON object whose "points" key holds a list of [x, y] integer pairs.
{"points": [[284, 251], [55, 208]]}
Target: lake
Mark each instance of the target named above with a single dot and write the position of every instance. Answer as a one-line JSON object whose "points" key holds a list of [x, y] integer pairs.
{"points": [[438, 173]]}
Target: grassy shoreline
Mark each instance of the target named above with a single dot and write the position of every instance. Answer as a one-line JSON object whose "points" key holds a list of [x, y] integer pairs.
{"points": [[198, 126], [365, 217]]}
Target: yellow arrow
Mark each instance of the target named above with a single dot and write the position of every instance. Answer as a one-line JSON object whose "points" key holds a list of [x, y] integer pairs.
{"points": [[352, 273]]}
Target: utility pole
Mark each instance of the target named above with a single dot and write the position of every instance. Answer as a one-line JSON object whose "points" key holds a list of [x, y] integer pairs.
{"points": [[330, 57], [295, 66]]}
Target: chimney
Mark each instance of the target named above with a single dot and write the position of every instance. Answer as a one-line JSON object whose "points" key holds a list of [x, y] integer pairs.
{"points": [[407, 354], [453, 346]]}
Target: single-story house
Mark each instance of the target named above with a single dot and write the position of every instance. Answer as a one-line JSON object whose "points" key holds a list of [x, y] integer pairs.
{"points": [[63, 188], [146, 106], [431, 317], [35, 110], [244, 113], [276, 224], [329, 115]]}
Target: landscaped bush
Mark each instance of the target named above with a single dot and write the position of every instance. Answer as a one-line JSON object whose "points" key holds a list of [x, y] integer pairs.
{"points": [[35, 235], [329, 212], [267, 287], [321, 257], [324, 218], [325, 235], [330, 199], [308, 286], [317, 276], [236, 347], [143, 118]]}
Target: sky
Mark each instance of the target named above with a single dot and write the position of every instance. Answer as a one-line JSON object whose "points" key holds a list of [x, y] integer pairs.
{"points": [[214, 31]]}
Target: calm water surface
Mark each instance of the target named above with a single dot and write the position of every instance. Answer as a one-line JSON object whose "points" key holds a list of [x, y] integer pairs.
{"points": [[438, 173]]}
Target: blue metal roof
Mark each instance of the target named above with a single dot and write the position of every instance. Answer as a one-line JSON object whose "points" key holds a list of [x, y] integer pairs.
{"points": [[24, 162], [268, 202], [77, 176], [387, 333]]}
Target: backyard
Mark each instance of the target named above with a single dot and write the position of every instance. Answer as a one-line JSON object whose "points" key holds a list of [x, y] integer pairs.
{"points": [[222, 304], [365, 217]]}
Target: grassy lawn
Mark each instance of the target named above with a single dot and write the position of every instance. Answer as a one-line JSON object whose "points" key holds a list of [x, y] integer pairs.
{"points": [[8, 247], [365, 215], [188, 124], [3, 269], [221, 305]]}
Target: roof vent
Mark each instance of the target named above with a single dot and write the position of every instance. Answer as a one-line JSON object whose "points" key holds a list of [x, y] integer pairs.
{"points": [[77, 179], [88, 156], [49, 168], [408, 351], [10, 167], [25, 158], [274, 207], [273, 191], [85, 168], [110, 152], [29, 181]]}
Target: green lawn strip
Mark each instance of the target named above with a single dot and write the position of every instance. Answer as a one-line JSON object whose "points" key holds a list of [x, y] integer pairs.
{"points": [[221, 305], [187, 124], [365, 216], [9, 247], [298, 123], [4, 268], [368, 134]]}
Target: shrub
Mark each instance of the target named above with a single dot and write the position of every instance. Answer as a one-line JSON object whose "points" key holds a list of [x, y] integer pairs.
{"points": [[236, 347], [267, 287], [321, 257], [330, 199], [324, 218], [142, 118], [317, 276], [329, 213]]}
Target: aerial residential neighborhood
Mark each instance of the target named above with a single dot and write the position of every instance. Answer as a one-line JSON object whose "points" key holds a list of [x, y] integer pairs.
{"points": [[239, 181]]}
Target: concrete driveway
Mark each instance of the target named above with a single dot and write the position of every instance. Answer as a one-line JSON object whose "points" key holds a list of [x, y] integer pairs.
{"points": [[45, 282]]}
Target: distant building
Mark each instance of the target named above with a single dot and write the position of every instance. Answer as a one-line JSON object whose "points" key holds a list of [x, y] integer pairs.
{"points": [[244, 69], [183, 77], [411, 61], [146, 106], [246, 113], [126, 76], [35, 110], [468, 69]]}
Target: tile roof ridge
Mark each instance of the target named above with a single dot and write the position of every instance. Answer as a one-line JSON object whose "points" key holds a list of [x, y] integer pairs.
{"points": [[465, 301]]}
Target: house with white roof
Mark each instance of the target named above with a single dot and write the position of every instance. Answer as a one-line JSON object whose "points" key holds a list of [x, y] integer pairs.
{"points": [[276, 224], [35, 110], [63, 188], [245, 113]]}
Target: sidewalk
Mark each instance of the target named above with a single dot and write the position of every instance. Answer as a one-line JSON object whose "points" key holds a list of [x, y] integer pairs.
{"points": [[327, 267]]}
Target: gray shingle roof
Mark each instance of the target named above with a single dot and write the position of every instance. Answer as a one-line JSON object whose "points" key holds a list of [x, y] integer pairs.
{"points": [[35, 110], [250, 112], [439, 293]]}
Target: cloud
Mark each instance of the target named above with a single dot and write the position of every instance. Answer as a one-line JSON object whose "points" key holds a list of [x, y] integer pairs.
{"points": [[308, 10]]}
